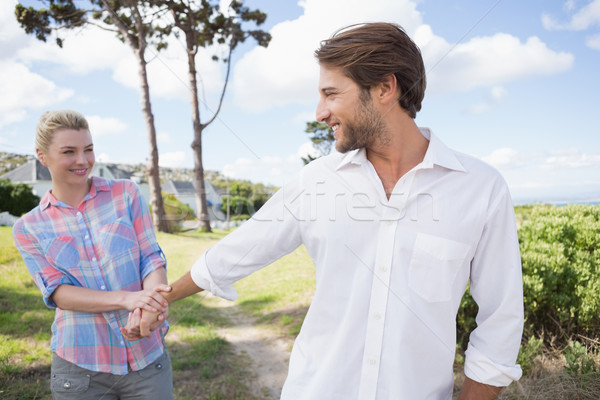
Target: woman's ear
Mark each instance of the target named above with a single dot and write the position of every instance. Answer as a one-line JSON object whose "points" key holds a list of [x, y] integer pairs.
{"points": [[42, 157]]}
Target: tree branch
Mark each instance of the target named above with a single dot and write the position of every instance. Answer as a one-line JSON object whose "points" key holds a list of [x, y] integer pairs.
{"points": [[210, 121]]}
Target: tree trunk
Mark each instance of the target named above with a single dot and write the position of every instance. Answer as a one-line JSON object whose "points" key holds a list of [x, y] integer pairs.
{"points": [[152, 170], [138, 45], [201, 203]]}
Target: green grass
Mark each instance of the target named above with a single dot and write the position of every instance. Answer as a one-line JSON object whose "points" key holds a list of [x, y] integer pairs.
{"points": [[204, 365], [280, 294]]}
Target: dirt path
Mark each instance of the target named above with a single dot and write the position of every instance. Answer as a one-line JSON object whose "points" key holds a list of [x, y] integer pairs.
{"points": [[269, 352]]}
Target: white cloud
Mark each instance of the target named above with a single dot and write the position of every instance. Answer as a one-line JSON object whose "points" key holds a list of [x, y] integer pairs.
{"points": [[163, 137], [105, 126], [587, 17], [103, 158], [308, 149], [503, 157], [168, 72], [496, 95], [571, 158], [485, 61], [91, 49], [175, 159], [23, 90], [84, 50], [272, 170], [581, 20], [593, 42], [286, 71]]}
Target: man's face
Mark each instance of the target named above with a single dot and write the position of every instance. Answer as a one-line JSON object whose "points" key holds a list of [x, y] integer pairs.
{"points": [[348, 110]]}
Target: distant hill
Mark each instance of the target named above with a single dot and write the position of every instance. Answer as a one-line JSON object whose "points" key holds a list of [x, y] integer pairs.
{"points": [[10, 161]]}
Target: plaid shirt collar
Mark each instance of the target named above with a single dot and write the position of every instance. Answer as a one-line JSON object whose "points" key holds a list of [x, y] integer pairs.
{"points": [[98, 185]]}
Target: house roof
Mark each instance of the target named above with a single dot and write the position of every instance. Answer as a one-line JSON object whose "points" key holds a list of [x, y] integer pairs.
{"points": [[179, 187], [34, 171], [31, 171]]}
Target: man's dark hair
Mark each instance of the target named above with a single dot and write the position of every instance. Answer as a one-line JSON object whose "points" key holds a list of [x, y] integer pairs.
{"points": [[368, 53]]}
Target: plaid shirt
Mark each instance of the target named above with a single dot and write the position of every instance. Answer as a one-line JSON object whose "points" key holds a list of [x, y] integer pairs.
{"points": [[107, 243]]}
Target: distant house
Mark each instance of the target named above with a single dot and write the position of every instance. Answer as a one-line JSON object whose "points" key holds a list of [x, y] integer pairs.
{"points": [[185, 192], [34, 174]]}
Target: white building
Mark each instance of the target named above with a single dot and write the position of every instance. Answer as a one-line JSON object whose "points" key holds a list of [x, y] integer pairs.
{"points": [[34, 174]]}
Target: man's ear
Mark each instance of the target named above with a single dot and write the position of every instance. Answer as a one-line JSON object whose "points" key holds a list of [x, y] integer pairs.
{"points": [[42, 157], [387, 91]]}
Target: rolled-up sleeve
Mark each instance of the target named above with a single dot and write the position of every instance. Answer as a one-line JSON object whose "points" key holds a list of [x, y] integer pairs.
{"points": [[271, 233], [46, 276], [497, 288], [151, 255]]}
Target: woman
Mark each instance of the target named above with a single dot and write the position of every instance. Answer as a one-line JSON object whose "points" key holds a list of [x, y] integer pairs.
{"points": [[91, 249]]}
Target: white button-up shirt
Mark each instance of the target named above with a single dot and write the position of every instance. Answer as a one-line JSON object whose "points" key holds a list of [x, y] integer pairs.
{"points": [[390, 274]]}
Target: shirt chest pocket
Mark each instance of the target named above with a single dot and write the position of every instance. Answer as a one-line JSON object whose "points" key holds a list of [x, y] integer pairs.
{"points": [[434, 264], [117, 237], [62, 252]]}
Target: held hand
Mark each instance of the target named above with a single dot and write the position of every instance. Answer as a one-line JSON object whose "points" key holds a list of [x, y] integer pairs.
{"points": [[151, 321], [148, 299]]}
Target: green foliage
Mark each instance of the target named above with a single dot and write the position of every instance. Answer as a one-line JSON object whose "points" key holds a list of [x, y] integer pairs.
{"points": [[176, 211], [322, 138], [465, 319], [16, 198], [578, 360], [560, 252], [245, 197], [528, 352]]}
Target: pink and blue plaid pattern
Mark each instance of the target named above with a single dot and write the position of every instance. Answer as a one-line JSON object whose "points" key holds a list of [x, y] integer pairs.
{"points": [[108, 243]]}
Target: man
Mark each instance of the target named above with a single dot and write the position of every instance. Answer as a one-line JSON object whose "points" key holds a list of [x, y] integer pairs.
{"points": [[396, 224]]}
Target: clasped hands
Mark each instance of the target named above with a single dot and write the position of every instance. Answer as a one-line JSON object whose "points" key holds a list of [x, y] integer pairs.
{"points": [[145, 319]]}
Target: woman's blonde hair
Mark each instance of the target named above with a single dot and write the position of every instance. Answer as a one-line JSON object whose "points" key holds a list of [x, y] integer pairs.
{"points": [[51, 121]]}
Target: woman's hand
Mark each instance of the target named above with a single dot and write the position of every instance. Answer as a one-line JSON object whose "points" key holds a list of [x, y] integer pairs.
{"points": [[147, 299]]}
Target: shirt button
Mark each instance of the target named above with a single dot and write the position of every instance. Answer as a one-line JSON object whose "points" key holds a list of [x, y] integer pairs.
{"points": [[122, 343], [103, 287], [383, 269], [67, 385], [377, 315], [372, 361], [93, 258]]}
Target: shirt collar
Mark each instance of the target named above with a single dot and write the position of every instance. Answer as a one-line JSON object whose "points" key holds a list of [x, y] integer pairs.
{"points": [[437, 154], [98, 185]]}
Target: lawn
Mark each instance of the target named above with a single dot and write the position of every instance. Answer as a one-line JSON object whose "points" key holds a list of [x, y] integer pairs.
{"points": [[204, 365]]}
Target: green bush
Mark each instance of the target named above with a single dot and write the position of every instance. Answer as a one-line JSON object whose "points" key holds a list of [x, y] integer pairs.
{"points": [[560, 252], [16, 198]]}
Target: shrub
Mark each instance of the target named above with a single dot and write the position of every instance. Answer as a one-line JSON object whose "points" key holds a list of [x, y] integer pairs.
{"points": [[560, 252], [16, 198]]}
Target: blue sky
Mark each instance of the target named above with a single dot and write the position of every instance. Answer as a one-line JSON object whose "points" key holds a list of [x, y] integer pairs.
{"points": [[515, 83]]}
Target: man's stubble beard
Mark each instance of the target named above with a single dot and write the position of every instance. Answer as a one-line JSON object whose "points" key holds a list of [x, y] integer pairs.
{"points": [[366, 129]]}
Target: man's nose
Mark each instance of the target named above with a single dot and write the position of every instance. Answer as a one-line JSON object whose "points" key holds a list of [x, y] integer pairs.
{"points": [[322, 112]]}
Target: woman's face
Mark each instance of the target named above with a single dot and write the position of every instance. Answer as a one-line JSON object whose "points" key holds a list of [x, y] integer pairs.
{"points": [[70, 157]]}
